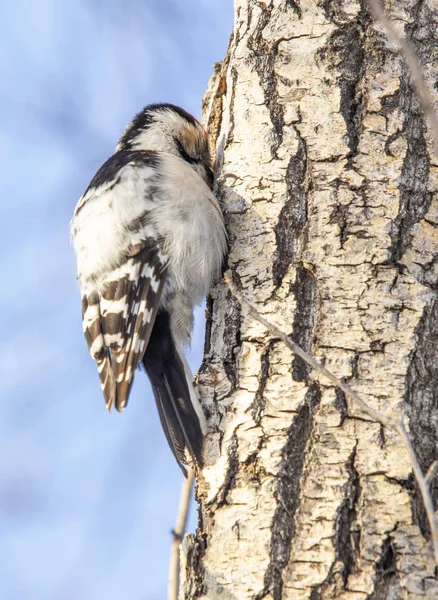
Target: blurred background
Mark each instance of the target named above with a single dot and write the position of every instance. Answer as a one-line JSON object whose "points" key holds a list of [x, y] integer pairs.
{"points": [[87, 499]]}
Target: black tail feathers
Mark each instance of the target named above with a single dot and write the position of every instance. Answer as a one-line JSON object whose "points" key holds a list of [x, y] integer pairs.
{"points": [[178, 406]]}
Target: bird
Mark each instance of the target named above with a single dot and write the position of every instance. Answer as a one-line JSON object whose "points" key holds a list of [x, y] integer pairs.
{"points": [[150, 239]]}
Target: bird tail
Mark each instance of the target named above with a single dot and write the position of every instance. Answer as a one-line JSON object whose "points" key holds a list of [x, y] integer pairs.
{"points": [[178, 406]]}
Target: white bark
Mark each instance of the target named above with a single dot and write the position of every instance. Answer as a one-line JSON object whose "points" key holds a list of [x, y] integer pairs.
{"points": [[325, 171]]}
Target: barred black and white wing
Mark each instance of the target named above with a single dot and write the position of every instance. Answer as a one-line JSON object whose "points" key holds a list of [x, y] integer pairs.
{"points": [[118, 321], [120, 268]]}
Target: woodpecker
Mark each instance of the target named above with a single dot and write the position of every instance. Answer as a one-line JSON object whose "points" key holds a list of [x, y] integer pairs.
{"points": [[150, 239]]}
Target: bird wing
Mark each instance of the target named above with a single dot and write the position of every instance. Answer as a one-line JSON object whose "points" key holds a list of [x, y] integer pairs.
{"points": [[120, 268], [118, 322]]}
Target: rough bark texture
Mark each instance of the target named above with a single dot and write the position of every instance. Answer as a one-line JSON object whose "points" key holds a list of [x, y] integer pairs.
{"points": [[325, 171]]}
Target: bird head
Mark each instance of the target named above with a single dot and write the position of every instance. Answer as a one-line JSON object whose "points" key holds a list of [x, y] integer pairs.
{"points": [[168, 128]]}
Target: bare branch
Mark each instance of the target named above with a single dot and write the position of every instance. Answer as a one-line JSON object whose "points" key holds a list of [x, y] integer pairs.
{"points": [[388, 421], [178, 534], [412, 61]]}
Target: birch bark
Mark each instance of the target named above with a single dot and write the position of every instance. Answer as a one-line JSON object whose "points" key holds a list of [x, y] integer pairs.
{"points": [[325, 170]]}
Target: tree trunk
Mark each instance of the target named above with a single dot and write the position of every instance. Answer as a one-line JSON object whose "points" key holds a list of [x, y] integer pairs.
{"points": [[325, 171]]}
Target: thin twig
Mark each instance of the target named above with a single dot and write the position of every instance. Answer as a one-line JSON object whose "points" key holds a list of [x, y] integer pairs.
{"points": [[407, 50], [391, 422], [178, 534]]}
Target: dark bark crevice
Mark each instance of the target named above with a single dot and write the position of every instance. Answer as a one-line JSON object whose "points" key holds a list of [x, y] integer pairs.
{"points": [[340, 404], [347, 536], [230, 476], [288, 494], [304, 290], [386, 582], [414, 187], [258, 405], [230, 135], [293, 216], [263, 60], [339, 215], [422, 405], [416, 190], [232, 340], [209, 307], [345, 53]]}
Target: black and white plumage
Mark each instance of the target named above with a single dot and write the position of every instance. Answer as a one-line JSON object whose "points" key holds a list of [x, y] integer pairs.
{"points": [[149, 238]]}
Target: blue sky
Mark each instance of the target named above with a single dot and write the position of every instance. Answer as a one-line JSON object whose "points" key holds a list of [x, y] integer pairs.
{"points": [[87, 499]]}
